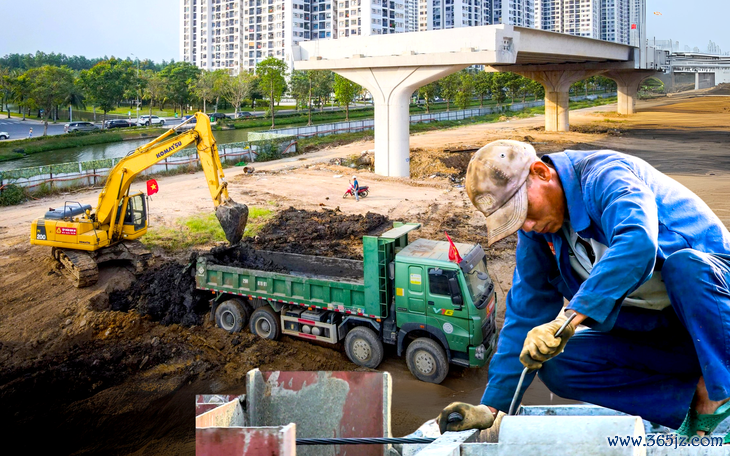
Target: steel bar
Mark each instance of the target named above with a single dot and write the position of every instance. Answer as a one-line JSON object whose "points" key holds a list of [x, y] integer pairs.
{"points": [[365, 441]]}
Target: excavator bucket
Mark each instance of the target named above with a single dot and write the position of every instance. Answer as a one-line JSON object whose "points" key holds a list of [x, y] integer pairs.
{"points": [[233, 218]]}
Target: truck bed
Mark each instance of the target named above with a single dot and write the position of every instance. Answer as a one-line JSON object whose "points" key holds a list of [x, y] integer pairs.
{"points": [[323, 282]]}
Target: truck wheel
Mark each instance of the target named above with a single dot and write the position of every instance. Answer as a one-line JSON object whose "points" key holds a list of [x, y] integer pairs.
{"points": [[363, 347], [231, 315], [427, 361], [265, 323]]}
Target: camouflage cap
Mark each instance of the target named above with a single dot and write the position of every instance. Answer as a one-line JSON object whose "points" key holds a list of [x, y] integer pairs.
{"points": [[496, 182]]}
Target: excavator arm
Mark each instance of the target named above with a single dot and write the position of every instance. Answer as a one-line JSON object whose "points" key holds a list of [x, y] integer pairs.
{"points": [[231, 215]]}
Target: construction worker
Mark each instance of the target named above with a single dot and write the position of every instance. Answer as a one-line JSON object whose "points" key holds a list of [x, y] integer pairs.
{"points": [[355, 188], [645, 266]]}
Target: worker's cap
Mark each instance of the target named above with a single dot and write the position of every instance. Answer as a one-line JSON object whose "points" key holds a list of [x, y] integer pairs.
{"points": [[496, 182]]}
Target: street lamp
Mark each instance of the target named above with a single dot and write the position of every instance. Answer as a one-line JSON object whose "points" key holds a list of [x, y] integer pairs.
{"points": [[136, 101]]}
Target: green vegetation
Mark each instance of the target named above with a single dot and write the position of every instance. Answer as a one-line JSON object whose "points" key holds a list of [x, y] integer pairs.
{"points": [[200, 230], [12, 194]]}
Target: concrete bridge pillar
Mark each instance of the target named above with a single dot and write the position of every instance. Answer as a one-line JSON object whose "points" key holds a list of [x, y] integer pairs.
{"points": [[391, 88], [557, 97], [628, 82]]}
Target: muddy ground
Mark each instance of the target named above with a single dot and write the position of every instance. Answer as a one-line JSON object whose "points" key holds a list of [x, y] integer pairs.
{"points": [[113, 369]]}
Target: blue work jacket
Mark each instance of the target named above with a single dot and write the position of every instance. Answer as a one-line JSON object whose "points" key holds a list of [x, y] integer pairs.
{"points": [[640, 214]]}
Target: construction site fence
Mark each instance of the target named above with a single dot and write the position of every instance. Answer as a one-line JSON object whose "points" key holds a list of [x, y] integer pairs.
{"points": [[369, 124], [94, 172]]}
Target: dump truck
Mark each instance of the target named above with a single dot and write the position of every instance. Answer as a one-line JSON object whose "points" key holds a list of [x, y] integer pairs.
{"points": [[405, 294]]}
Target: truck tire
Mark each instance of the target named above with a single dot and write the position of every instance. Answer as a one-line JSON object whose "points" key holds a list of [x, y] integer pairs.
{"points": [[265, 323], [427, 361], [363, 347], [231, 315]]}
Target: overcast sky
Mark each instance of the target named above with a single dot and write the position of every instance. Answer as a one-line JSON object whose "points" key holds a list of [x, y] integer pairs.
{"points": [[150, 28]]}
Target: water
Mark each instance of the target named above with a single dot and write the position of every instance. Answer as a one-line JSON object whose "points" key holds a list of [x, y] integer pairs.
{"points": [[99, 151]]}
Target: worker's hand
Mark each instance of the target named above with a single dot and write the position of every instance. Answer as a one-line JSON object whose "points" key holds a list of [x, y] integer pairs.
{"points": [[541, 344], [473, 417]]}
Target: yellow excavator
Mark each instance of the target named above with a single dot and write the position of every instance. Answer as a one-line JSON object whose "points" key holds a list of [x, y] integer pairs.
{"points": [[81, 238]]}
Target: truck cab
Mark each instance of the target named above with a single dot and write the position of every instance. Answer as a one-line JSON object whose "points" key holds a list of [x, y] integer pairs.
{"points": [[448, 302]]}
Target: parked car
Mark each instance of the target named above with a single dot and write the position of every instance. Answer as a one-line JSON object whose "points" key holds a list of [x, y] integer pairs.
{"points": [[151, 120], [184, 118], [243, 115], [80, 126], [120, 123], [217, 116], [4, 135]]}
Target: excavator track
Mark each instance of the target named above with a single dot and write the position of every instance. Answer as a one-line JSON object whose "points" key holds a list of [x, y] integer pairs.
{"points": [[78, 266]]}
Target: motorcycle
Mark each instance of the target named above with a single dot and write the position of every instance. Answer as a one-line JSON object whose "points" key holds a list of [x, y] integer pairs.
{"points": [[362, 192]]}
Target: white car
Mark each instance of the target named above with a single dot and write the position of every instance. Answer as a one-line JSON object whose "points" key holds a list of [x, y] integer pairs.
{"points": [[4, 135], [151, 120]]}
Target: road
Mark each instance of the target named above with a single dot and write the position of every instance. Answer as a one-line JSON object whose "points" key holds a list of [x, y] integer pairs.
{"points": [[18, 129]]}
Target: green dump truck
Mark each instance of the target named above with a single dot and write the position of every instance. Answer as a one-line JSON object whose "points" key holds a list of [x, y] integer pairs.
{"points": [[406, 294]]}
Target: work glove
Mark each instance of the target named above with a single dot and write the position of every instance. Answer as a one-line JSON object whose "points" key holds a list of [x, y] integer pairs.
{"points": [[474, 417], [541, 344]]}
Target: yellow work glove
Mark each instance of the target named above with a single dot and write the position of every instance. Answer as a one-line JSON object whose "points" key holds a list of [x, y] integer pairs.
{"points": [[541, 344], [474, 417]]}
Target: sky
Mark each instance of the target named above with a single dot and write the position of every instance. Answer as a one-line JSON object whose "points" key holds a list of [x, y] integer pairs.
{"points": [[150, 29]]}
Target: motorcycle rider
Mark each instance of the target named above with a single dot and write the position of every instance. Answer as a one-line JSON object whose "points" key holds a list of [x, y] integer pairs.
{"points": [[355, 188]]}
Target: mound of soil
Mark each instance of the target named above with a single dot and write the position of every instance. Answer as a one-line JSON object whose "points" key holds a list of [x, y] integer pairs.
{"points": [[720, 89], [168, 295], [328, 232]]}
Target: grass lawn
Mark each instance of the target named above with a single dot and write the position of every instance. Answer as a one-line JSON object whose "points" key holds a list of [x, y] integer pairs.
{"points": [[200, 230]]}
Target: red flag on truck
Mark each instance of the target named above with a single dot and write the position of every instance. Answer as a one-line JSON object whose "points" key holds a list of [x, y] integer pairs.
{"points": [[152, 187], [453, 253]]}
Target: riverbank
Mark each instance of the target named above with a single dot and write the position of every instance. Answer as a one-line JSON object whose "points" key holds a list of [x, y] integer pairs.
{"points": [[13, 150]]}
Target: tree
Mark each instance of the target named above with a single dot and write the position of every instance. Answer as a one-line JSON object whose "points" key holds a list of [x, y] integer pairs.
{"points": [[21, 93], [466, 89], [513, 83], [346, 91], [271, 73], [322, 86], [499, 82], [536, 89], [483, 85], [429, 92], [107, 81], [450, 88], [204, 87], [154, 87], [238, 88], [220, 80], [179, 78], [50, 87], [301, 89], [7, 79]]}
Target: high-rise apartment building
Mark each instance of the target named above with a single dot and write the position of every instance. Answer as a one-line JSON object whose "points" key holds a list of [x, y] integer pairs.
{"points": [[411, 8], [445, 14], [237, 34], [211, 33], [621, 21]]}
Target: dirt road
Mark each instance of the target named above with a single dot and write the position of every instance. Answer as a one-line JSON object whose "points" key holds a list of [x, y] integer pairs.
{"points": [[99, 380]]}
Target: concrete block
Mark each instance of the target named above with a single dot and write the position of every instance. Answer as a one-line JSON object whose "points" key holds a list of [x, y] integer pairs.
{"points": [[583, 435], [449, 444]]}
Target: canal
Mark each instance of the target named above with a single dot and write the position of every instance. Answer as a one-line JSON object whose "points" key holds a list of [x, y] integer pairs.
{"points": [[99, 151]]}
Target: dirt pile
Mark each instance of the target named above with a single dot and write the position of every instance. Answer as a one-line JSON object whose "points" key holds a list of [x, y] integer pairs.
{"points": [[328, 232], [167, 294], [720, 89]]}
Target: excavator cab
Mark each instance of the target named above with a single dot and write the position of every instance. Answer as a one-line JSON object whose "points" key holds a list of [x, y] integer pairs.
{"points": [[135, 216]]}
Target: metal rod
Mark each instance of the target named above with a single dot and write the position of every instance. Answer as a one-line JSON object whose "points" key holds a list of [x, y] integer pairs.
{"points": [[512, 405], [365, 441]]}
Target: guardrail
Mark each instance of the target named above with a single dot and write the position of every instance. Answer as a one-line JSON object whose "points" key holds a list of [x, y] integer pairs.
{"points": [[368, 124]]}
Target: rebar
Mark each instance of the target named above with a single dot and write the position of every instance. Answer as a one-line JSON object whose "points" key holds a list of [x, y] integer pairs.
{"points": [[365, 441]]}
